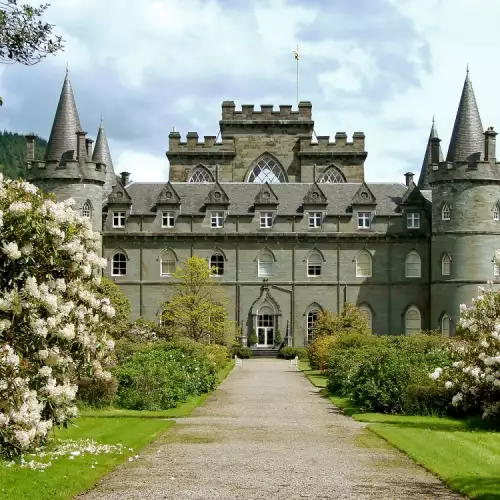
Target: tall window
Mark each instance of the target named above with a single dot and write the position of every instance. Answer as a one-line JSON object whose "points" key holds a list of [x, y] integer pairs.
{"points": [[217, 264], [201, 174], [364, 220], [413, 320], [364, 264], [266, 220], [167, 263], [265, 264], [413, 265], [332, 175], [217, 219], [312, 317], [314, 262], [118, 219], [367, 313], [496, 212], [446, 265], [413, 220], [446, 212], [119, 264], [87, 209], [445, 325], [168, 219], [267, 170], [315, 219]]}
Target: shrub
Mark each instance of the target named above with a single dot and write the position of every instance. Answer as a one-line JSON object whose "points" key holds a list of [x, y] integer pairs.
{"points": [[349, 320], [278, 339], [242, 352], [97, 393], [219, 354], [158, 379], [52, 324], [319, 351], [252, 339], [289, 352]]}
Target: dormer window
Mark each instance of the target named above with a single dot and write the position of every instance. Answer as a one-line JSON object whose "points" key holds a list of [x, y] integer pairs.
{"points": [[118, 219], [266, 219], [446, 212], [217, 219], [168, 219], [315, 219], [413, 220], [364, 220]]}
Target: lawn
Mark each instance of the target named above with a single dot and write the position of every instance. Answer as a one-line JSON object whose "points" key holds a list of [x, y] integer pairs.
{"points": [[66, 477], [465, 454]]}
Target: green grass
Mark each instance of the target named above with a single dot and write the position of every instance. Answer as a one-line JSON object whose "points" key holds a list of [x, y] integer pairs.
{"points": [[464, 453], [66, 478]]}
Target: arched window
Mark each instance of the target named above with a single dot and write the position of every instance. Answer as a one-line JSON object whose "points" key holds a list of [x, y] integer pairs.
{"points": [[201, 174], [168, 262], [119, 264], [87, 209], [496, 269], [445, 325], [266, 319], [217, 264], [364, 264], [413, 320], [365, 310], [312, 317], [314, 262], [446, 264], [445, 212], [267, 170], [496, 212], [413, 265], [265, 264], [332, 175]]}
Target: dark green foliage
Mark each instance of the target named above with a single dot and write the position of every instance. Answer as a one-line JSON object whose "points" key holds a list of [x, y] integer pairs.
{"points": [[157, 379], [252, 339], [291, 352], [278, 338], [97, 393], [117, 325], [13, 153], [242, 352]]}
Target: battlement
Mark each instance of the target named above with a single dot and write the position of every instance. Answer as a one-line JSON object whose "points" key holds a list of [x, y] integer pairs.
{"points": [[485, 171], [340, 144], [267, 112], [71, 170], [192, 145]]}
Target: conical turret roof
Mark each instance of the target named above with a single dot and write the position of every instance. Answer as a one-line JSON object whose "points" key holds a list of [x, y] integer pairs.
{"points": [[423, 180], [103, 155], [62, 140], [467, 137]]}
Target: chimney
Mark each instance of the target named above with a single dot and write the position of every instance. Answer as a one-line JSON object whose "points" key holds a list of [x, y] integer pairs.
{"points": [[435, 149], [88, 147], [81, 152], [125, 177], [490, 145], [217, 173], [30, 147], [409, 178]]}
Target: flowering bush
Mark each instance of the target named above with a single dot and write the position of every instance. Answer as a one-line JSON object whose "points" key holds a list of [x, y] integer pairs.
{"points": [[474, 374], [52, 325]]}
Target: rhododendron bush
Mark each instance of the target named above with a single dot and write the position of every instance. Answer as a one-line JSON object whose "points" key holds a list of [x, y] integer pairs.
{"points": [[474, 376], [52, 325]]}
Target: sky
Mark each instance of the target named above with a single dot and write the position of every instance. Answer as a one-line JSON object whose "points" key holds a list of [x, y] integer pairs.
{"points": [[383, 67]]}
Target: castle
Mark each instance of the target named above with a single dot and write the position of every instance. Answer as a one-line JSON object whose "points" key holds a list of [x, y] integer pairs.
{"points": [[287, 220]]}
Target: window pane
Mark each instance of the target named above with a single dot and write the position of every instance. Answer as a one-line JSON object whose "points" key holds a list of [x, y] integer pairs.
{"points": [[267, 170]]}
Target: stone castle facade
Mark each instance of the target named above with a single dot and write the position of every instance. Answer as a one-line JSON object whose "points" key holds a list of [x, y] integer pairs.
{"points": [[287, 220]]}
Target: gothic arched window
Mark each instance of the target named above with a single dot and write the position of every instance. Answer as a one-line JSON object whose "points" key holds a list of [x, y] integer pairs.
{"points": [[119, 264], [413, 265], [312, 317], [201, 174], [445, 212], [364, 264], [446, 265], [332, 175], [267, 170], [87, 209], [496, 212], [217, 264], [413, 320], [445, 325]]}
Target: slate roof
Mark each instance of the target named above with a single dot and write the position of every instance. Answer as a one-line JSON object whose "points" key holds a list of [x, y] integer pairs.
{"points": [[102, 155], [290, 196], [423, 180]]}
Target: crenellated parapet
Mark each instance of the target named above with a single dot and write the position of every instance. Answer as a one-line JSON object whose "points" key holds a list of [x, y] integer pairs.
{"points": [[192, 146], [73, 170], [340, 146], [480, 171], [267, 113]]}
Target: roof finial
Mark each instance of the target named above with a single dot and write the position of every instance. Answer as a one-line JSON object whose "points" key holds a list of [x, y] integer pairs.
{"points": [[467, 69], [101, 121], [67, 68], [433, 121]]}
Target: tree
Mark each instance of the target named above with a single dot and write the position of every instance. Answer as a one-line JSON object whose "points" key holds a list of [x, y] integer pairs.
{"points": [[197, 309], [50, 318], [121, 304], [349, 320], [24, 37]]}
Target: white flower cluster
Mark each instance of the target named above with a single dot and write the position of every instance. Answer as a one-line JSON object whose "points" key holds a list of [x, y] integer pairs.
{"points": [[52, 325], [475, 371]]}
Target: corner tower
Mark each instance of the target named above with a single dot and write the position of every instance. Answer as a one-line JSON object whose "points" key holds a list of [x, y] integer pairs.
{"points": [[465, 204], [68, 170], [102, 155], [423, 180]]}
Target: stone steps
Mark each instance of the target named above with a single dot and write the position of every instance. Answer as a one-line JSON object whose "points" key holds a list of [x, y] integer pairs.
{"points": [[264, 353]]}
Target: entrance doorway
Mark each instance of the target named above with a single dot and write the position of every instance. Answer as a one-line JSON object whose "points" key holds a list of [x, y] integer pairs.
{"points": [[265, 327]]}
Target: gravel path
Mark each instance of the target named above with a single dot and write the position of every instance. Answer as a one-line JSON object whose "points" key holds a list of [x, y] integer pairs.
{"points": [[266, 433]]}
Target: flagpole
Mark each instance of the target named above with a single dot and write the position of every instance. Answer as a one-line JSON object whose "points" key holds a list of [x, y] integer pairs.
{"points": [[297, 57]]}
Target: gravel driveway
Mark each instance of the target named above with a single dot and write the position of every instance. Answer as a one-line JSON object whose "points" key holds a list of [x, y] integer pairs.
{"points": [[266, 433]]}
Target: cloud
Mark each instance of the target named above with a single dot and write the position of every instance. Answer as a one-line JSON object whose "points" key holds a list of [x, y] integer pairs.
{"points": [[381, 67]]}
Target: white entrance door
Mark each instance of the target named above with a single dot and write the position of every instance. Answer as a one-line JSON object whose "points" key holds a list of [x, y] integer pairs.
{"points": [[265, 327]]}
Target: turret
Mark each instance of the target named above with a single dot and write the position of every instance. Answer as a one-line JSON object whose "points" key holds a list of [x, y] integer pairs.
{"points": [[423, 180], [67, 170], [103, 155], [465, 192]]}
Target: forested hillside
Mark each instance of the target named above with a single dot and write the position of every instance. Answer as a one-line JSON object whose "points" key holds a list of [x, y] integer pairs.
{"points": [[13, 153]]}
